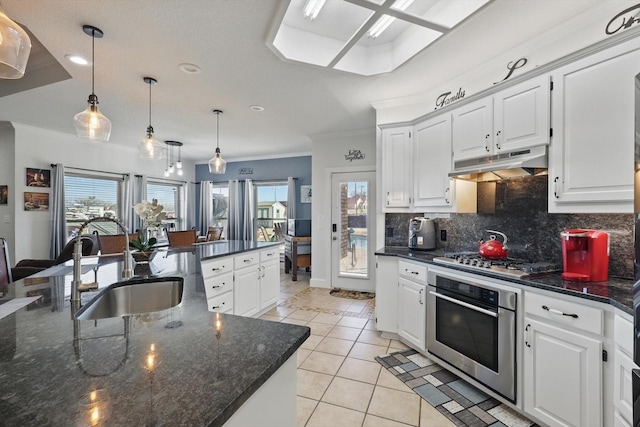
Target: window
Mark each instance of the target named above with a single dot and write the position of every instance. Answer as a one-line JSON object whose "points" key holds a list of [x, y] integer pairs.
{"points": [[169, 196], [271, 209], [220, 206], [88, 196]]}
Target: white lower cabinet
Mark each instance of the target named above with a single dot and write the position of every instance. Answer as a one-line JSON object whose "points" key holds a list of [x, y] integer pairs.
{"points": [[622, 371], [269, 278], [244, 285], [412, 304], [387, 294], [562, 357]]}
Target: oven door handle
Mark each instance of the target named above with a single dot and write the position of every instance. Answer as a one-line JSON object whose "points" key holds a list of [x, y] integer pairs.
{"points": [[464, 304]]}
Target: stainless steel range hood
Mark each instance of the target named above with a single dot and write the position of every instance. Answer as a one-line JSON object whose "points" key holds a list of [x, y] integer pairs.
{"points": [[516, 164]]}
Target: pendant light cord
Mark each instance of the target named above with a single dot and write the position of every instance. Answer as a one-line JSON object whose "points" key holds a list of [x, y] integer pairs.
{"points": [[93, 61], [217, 130], [150, 102]]}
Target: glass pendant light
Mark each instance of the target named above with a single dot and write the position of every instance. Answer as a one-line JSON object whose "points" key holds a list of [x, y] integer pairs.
{"points": [[150, 147], [171, 166], [217, 164], [91, 123], [15, 46]]}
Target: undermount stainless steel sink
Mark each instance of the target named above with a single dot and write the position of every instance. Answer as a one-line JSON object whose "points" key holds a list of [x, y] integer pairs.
{"points": [[134, 296]]}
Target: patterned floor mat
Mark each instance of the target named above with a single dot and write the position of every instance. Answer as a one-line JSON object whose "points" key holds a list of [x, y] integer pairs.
{"points": [[318, 299], [453, 397]]}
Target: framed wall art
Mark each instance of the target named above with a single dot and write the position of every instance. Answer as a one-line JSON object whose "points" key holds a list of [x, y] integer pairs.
{"points": [[36, 201], [4, 194], [38, 177], [305, 194]]}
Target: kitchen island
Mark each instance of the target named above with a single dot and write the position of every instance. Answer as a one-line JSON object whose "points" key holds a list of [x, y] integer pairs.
{"points": [[181, 366]]}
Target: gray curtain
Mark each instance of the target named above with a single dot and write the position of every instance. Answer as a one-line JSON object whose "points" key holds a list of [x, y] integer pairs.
{"points": [[249, 210], [189, 211], [126, 213], [291, 198], [58, 236], [205, 210], [234, 226], [139, 194]]}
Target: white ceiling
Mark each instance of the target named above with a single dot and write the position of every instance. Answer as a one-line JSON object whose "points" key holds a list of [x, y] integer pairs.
{"points": [[227, 39]]}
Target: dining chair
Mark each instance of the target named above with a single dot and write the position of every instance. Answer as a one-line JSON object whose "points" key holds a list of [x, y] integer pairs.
{"points": [[214, 233], [113, 243], [182, 238]]}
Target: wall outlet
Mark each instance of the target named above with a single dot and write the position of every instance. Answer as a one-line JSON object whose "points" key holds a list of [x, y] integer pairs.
{"points": [[443, 235]]}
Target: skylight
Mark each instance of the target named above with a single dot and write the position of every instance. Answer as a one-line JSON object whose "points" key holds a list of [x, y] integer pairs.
{"points": [[364, 36]]}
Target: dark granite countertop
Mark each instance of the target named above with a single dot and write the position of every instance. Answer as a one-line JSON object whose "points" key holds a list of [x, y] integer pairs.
{"points": [[200, 377], [615, 291], [229, 247]]}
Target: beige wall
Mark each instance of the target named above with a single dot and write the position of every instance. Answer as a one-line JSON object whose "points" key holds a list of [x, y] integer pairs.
{"points": [[39, 148], [328, 156]]}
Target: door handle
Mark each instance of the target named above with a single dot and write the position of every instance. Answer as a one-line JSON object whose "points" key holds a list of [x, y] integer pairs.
{"points": [[334, 228], [420, 300], [498, 139], [335, 238], [486, 142], [526, 335], [446, 195], [555, 187]]}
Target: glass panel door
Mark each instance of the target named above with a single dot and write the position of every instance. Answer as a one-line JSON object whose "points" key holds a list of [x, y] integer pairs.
{"points": [[352, 244]]}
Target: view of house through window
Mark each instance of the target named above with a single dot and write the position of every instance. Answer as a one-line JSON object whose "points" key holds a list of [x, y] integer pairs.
{"points": [[271, 210], [89, 197], [220, 206], [168, 196]]}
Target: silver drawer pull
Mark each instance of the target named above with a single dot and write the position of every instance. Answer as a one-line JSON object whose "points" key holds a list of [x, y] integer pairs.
{"points": [[270, 254], [248, 260], [412, 272], [558, 312], [217, 306], [218, 286], [217, 268], [465, 304]]}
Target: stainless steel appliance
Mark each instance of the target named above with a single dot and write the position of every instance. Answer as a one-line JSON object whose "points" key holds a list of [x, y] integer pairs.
{"points": [[422, 233], [636, 259], [471, 325], [511, 267]]}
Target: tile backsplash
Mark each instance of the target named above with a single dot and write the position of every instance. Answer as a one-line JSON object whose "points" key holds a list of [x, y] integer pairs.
{"points": [[520, 207]]}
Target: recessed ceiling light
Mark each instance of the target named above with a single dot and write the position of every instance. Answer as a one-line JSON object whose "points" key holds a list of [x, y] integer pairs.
{"points": [[76, 59], [256, 108], [189, 68]]}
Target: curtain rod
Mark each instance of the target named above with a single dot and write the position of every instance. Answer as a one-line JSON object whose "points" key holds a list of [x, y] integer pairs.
{"points": [[162, 179], [53, 165], [243, 180]]}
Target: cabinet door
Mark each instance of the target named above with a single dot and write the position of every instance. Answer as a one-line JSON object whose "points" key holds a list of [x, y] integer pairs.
{"points": [[472, 135], [432, 163], [269, 284], [521, 115], [622, 385], [592, 153], [246, 291], [387, 294], [396, 167], [412, 312], [562, 376]]}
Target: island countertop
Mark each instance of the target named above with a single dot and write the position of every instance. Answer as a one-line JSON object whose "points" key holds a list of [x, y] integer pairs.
{"points": [[57, 371]]}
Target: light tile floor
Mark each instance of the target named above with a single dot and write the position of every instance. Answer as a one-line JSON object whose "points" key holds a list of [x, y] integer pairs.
{"points": [[339, 381]]}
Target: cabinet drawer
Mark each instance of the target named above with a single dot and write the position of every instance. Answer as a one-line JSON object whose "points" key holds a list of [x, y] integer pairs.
{"points": [[222, 303], [564, 312], [245, 260], [415, 272], [215, 267], [219, 284], [270, 254]]}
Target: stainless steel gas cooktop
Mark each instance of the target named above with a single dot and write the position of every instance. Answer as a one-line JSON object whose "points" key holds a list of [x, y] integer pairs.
{"points": [[508, 267]]}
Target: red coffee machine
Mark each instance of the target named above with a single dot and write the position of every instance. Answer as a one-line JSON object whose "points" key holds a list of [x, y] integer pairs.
{"points": [[585, 255]]}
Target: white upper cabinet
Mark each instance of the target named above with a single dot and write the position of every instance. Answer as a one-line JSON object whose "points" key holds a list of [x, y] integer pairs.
{"points": [[521, 115], [473, 130], [591, 157], [512, 119], [397, 152], [432, 186]]}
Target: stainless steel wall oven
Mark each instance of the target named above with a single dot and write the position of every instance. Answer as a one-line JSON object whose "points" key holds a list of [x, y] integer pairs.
{"points": [[471, 324]]}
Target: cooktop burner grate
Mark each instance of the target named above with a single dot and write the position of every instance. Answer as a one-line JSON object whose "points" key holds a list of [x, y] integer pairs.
{"points": [[509, 266]]}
